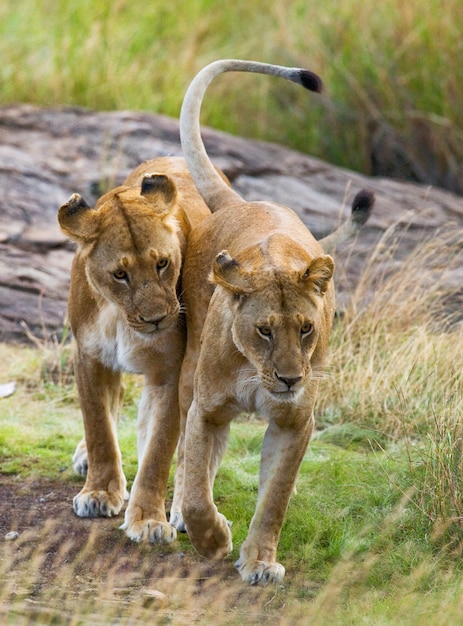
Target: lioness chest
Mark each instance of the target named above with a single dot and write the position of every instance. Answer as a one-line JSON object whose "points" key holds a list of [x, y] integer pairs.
{"points": [[111, 341]]}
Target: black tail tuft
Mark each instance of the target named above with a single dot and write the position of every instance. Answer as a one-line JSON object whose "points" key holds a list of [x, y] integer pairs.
{"points": [[310, 81], [362, 206]]}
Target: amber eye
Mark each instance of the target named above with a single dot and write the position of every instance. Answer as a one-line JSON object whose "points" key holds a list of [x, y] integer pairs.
{"points": [[306, 329], [120, 275], [264, 331], [162, 263]]}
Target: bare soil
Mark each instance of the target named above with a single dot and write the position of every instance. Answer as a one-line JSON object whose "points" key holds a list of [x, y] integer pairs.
{"points": [[54, 566]]}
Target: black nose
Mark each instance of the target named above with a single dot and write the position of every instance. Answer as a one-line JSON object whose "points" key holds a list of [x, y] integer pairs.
{"points": [[290, 382]]}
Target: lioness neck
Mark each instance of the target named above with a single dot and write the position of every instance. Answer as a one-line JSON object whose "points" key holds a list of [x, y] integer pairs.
{"points": [[215, 192]]}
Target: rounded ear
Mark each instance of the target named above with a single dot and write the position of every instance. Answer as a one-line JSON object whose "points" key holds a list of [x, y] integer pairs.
{"points": [[319, 273], [77, 219], [159, 190], [228, 273]]}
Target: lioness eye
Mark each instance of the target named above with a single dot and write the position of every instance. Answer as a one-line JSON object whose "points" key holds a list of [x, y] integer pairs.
{"points": [[306, 329], [264, 331], [120, 275], [162, 263]]}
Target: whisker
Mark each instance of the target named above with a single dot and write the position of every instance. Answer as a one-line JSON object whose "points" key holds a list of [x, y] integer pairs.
{"points": [[250, 381], [321, 375]]}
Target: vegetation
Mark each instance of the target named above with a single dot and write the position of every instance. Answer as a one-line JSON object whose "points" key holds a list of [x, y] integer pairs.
{"points": [[390, 63], [374, 533]]}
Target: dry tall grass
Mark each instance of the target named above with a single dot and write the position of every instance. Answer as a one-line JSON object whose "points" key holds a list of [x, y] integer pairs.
{"points": [[389, 69], [396, 355], [396, 367]]}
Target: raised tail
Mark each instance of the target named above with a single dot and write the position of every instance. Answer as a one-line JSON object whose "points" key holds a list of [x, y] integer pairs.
{"points": [[361, 208], [213, 189]]}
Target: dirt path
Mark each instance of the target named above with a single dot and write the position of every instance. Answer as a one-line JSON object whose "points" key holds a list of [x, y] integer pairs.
{"points": [[59, 566]]}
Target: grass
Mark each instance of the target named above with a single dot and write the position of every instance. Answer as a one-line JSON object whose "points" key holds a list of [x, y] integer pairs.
{"points": [[373, 535], [391, 65]]}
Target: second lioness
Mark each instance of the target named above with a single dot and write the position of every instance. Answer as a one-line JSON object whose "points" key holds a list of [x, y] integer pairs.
{"points": [[259, 296], [124, 314]]}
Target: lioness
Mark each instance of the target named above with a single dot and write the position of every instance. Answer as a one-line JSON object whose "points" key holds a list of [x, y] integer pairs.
{"points": [[259, 298], [124, 314]]}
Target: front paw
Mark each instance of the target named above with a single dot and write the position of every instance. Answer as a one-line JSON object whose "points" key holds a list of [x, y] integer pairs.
{"points": [[211, 539], [257, 572], [98, 503], [150, 531], [80, 459]]}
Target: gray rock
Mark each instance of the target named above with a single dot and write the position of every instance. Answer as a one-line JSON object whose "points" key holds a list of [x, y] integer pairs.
{"points": [[48, 154]]}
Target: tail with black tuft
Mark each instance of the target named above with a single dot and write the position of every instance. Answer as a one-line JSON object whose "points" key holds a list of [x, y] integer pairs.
{"points": [[362, 205], [361, 208], [310, 81], [213, 189]]}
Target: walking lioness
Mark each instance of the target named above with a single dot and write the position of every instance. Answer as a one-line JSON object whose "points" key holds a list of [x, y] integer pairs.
{"points": [[259, 298], [124, 314]]}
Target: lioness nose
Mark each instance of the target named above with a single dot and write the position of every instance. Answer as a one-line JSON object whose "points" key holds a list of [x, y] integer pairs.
{"points": [[153, 320], [289, 381]]}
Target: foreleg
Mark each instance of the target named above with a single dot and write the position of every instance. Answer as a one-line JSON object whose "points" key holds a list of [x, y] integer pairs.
{"points": [[158, 431], [282, 453], [105, 487], [205, 444]]}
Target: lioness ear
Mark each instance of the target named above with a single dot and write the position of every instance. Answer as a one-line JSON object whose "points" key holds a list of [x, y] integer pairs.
{"points": [[76, 219], [319, 273], [229, 274], [160, 190]]}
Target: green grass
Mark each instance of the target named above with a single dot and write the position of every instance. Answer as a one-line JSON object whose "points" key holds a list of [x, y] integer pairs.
{"points": [[374, 533], [42, 419], [391, 62]]}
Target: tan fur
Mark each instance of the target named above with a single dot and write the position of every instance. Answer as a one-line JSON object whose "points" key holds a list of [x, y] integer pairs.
{"points": [[281, 286], [124, 314], [257, 336]]}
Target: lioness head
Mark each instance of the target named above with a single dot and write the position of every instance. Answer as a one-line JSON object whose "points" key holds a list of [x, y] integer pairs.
{"points": [[131, 248], [278, 314]]}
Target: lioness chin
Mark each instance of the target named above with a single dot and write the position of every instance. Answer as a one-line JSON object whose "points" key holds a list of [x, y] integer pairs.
{"points": [[259, 298], [124, 313]]}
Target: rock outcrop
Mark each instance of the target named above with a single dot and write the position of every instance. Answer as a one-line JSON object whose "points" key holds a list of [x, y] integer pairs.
{"points": [[48, 154]]}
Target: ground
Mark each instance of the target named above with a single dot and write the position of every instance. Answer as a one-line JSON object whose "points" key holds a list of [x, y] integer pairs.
{"points": [[59, 564]]}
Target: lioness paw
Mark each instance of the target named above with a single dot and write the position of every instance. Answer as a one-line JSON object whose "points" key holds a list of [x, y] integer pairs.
{"points": [[176, 520], [150, 531], [80, 459], [213, 541], [97, 504], [260, 572]]}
